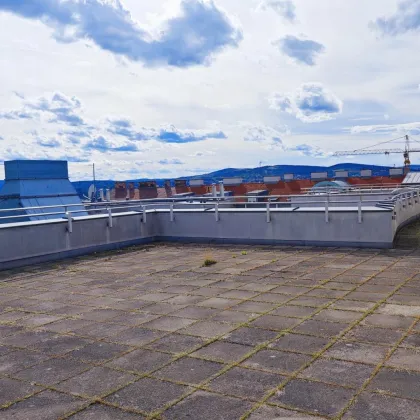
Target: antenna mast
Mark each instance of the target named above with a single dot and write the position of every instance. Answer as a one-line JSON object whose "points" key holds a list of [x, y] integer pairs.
{"points": [[94, 182]]}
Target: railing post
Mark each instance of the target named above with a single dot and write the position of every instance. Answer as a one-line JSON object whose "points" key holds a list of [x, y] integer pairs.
{"points": [[109, 218], [327, 216], [144, 214], [359, 212], [216, 211], [268, 213], [172, 212], [69, 222]]}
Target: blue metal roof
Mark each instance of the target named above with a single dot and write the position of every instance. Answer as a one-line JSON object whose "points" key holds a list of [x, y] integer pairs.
{"points": [[35, 184], [36, 169]]}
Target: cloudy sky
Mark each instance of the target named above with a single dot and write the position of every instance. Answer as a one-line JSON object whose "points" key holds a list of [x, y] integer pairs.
{"points": [[168, 88]]}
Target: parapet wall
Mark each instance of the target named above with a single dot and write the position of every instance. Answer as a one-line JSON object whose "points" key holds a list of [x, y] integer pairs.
{"points": [[20, 243]]}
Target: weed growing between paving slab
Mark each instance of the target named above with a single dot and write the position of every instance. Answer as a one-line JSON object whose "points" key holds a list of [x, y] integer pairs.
{"points": [[209, 262]]}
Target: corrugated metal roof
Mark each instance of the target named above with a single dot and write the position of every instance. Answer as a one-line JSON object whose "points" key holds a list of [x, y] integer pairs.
{"points": [[412, 178]]}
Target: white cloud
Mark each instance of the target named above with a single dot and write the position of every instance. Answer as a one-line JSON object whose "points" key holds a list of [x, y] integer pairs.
{"points": [[284, 8], [175, 103], [310, 103], [408, 128]]}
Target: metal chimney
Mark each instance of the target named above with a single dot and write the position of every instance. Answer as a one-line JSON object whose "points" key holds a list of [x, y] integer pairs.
{"points": [[222, 189]]}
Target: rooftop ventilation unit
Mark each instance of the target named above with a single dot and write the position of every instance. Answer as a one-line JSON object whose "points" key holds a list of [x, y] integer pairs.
{"points": [[37, 183], [319, 176], [341, 174], [232, 181], [272, 179], [366, 173], [196, 182], [396, 172]]}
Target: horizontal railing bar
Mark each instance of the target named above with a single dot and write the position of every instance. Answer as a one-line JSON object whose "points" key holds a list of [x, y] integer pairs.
{"points": [[205, 201], [183, 199]]}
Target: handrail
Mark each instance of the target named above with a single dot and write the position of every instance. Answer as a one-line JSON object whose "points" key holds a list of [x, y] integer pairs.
{"points": [[174, 200], [218, 205], [218, 202]]}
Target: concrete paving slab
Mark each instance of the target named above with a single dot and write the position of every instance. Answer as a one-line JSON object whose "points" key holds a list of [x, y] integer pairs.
{"points": [[209, 406], [96, 382], [223, 351], [250, 336], [103, 412], [136, 336], [401, 383], [321, 328], [12, 390], [405, 359], [147, 395], [338, 372], [373, 407], [141, 361], [189, 370], [358, 352], [246, 383], [47, 405], [315, 397], [168, 323], [374, 335], [52, 371], [20, 359], [277, 361], [98, 352], [388, 321], [90, 329], [267, 412], [300, 343], [176, 343], [208, 329]]}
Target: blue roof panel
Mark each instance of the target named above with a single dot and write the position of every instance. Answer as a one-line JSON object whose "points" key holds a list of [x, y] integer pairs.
{"points": [[36, 169]]}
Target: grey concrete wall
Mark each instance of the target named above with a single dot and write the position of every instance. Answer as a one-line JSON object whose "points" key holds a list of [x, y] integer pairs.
{"points": [[33, 242], [339, 200], [30, 243], [304, 227], [406, 211]]}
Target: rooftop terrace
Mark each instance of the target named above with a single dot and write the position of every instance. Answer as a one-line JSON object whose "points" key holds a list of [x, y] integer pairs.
{"points": [[265, 333]]}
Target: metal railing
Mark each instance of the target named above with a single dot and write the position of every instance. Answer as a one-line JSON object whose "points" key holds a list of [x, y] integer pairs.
{"points": [[356, 188], [213, 204]]}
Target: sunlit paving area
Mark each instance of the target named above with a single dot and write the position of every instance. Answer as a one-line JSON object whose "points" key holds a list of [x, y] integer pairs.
{"points": [[223, 332]]}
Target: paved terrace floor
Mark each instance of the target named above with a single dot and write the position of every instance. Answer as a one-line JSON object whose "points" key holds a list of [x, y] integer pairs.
{"points": [[266, 333]]}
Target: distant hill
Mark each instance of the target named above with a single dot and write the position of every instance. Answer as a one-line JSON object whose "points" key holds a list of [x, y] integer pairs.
{"points": [[256, 174], [251, 174]]}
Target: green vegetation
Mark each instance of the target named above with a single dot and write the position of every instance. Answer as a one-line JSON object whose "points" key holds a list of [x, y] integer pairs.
{"points": [[208, 262]]}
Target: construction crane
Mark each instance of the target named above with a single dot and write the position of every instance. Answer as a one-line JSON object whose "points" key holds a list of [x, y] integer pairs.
{"points": [[368, 151]]}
